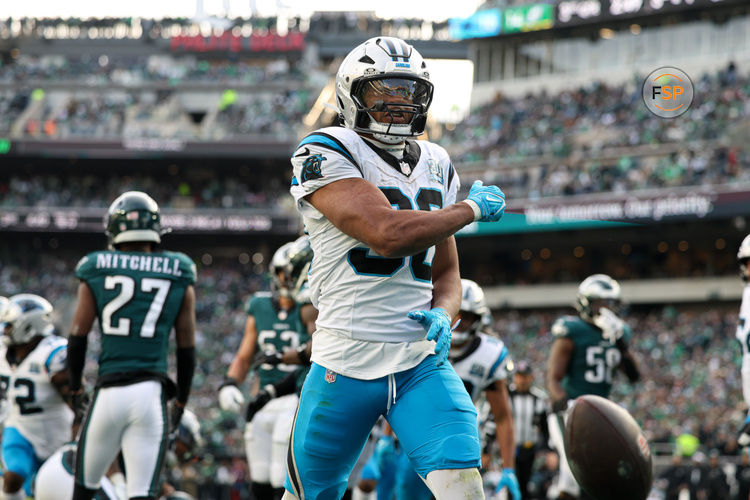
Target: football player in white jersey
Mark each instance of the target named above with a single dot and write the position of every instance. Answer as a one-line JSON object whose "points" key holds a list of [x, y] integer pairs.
{"points": [[34, 377], [484, 364], [743, 334], [380, 208]]}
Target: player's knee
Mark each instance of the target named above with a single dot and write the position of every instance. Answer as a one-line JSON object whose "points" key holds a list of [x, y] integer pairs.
{"points": [[455, 484], [12, 481]]}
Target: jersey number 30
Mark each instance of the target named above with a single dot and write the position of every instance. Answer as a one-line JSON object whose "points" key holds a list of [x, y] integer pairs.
{"points": [[127, 290], [373, 265]]}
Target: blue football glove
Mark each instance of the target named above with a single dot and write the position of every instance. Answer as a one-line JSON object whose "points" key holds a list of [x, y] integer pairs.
{"points": [[437, 322], [509, 480], [744, 437], [488, 202]]}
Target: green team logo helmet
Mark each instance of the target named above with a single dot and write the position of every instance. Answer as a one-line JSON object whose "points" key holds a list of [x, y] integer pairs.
{"points": [[134, 216]]}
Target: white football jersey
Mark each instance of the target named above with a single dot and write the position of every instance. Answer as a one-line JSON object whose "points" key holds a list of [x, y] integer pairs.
{"points": [[743, 335], [363, 297], [482, 362], [37, 410]]}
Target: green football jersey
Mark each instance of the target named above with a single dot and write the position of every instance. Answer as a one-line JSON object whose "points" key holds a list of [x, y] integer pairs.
{"points": [[278, 330], [138, 296], [594, 359]]}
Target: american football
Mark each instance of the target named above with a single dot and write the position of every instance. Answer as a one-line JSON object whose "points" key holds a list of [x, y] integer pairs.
{"points": [[607, 453]]}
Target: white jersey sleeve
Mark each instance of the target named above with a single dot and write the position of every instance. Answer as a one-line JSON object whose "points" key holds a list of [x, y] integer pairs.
{"points": [[320, 159], [743, 336], [37, 410]]}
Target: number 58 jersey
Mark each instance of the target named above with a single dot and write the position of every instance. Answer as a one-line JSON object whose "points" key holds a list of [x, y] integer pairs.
{"points": [[362, 296], [138, 296], [37, 410]]}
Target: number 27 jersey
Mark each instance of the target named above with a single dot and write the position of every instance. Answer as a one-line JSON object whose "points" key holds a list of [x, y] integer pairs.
{"points": [[361, 295], [138, 296]]}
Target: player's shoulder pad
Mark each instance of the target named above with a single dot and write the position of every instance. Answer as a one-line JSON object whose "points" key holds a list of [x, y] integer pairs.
{"points": [[187, 266], [53, 350], [86, 267], [442, 157], [565, 326], [340, 140], [258, 300]]}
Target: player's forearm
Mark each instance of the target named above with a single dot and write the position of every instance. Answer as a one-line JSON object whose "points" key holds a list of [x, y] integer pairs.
{"points": [[185, 371], [446, 288], [238, 369], [407, 232], [76, 361], [555, 388], [506, 441]]}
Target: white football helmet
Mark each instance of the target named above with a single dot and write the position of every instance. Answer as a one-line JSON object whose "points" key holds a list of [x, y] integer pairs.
{"points": [[472, 301], [290, 265], [24, 317], [596, 287], [389, 67], [743, 254]]}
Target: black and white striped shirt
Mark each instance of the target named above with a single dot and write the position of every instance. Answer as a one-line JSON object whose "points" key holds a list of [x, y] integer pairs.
{"points": [[529, 416]]}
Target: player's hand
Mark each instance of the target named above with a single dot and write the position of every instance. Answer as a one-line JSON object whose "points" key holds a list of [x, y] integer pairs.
{"points": [[259, 401], [744, 437], [79, 403], [437, 322], [509, 480], [230, 397], [271, 358], [488, 202], [612, 327]]}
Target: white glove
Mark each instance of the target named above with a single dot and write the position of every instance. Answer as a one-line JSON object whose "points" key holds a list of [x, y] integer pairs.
{"points": [[612, 327], [231, 398]]}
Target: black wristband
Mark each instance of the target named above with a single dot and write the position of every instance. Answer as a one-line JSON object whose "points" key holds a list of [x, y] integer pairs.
{"points": [[185, 370], [304, 358], [76, 360], [286, 385], [229, 381]]}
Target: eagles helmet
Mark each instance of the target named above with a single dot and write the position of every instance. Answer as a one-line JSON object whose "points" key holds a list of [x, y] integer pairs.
{"points": [[389, 67], [24, 317], [289, 267], [743, 254], [472, 301], [134, 216], [596, 287]]}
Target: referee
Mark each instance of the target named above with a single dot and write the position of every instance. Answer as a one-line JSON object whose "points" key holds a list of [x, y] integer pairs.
{"points": [[529, 406]]}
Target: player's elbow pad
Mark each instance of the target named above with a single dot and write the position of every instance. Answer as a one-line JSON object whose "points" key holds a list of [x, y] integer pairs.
{"points": [[76, 360], [185, 370]]}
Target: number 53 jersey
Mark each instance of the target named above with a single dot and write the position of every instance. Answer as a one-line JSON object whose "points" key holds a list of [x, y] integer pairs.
{"points": [[363, 298], [138, 296], [37, 410]]}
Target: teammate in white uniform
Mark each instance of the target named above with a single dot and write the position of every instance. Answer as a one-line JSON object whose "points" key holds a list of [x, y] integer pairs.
{"points": [[34, 377], [743, 334], [380, 209], [484, 364]]}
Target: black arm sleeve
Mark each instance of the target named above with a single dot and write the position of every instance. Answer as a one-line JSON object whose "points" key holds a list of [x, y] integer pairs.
{"points": [[76, 360], [185, 370], [286, 385], [628, 365]]}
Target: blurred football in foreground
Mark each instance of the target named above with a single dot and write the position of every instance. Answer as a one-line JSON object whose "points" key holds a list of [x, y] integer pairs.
{"points": [[606, 450]]}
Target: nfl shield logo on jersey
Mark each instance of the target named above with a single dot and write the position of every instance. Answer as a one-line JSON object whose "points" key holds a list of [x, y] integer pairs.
{"points": [[330, 376], [436, 173]]}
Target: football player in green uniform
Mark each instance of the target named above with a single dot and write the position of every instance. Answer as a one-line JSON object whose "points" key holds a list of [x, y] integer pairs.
{"points": [[275, 324], [139, 294], [586, 351]]}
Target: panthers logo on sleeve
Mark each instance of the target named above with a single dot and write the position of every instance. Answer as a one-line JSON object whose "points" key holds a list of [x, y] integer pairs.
{"points": [[311, 167]]}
